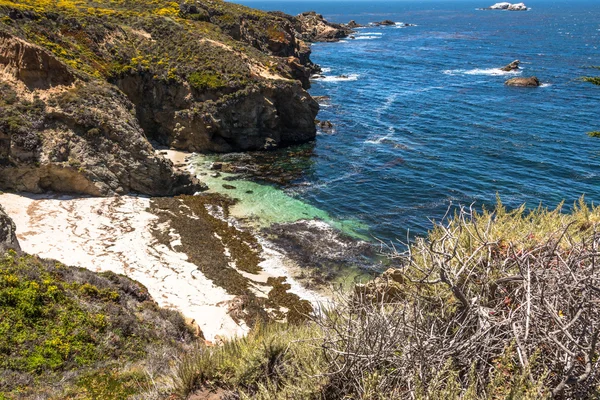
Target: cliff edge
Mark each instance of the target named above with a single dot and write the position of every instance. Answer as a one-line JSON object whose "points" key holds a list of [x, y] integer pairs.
{"points": [[87, 85]]}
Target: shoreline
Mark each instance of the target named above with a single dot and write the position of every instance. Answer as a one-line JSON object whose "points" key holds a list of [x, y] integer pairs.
{"points": [[122, 235]]}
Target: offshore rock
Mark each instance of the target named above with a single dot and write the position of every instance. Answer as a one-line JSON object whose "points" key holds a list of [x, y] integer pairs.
{"points": [[509, 6], [386, 22], [8, 236], [517, 7], [523, 82], [513, 66]]}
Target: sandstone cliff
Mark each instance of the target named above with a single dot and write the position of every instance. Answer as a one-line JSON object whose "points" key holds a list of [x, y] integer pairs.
{"points": [[86, 85]]}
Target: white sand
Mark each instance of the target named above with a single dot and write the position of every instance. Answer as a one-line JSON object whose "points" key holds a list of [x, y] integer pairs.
{"points": [[113, 234]]}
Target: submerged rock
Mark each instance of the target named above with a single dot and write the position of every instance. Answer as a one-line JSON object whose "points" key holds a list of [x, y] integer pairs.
{"points": [[513, 66], [315, 245], [523, 82], [326, 125]]}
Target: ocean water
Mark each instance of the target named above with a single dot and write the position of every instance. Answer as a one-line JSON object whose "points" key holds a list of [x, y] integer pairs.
{"points": [[422, 118]]}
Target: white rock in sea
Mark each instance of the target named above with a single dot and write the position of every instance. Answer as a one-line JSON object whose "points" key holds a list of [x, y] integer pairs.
{"points": [[517, 7], [500, 6], [509, 6]]}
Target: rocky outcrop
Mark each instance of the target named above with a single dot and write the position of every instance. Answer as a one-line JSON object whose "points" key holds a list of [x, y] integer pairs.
{"points": [[263, 117], [76, 136], [353, 24], [32, 65], [523, 82], [278, 112], [314, 28], [517, 7], [513, 66], [508, 6], [82, 97], [8, 236], [386, 22]]}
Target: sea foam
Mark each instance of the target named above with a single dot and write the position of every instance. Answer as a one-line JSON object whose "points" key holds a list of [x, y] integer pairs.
{"points": [[480, 71]]}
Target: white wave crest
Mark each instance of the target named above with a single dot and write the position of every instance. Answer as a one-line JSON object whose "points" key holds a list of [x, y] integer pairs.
{"points": [[480, 71], [367, 37], [379, 139], [341, 78]]}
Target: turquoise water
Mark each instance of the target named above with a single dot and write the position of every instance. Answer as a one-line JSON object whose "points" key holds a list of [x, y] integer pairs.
{"points": [[423, 119], [263, 205]]}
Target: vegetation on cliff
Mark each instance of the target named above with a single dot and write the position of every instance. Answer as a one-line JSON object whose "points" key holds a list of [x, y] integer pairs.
{"points": [[70, 333], [85, 79]]}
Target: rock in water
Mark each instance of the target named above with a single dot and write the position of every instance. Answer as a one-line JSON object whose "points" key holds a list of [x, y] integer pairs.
{"points": [[500, 6], [523, 82], [386, 22], [517, 7], [513, 66], [509, 6], [353, 24], [8, 236]]}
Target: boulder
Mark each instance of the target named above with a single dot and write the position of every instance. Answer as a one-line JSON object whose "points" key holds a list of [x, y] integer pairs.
{"points": [[353, 24], [513, 66], [8, 236], [523, 82]]}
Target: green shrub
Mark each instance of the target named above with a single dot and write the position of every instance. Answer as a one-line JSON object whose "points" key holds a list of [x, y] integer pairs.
{"points": [[206, 80], [73, 332]]}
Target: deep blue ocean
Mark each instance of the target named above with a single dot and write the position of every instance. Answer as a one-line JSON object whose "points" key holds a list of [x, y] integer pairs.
{"points": [[423, 119]]}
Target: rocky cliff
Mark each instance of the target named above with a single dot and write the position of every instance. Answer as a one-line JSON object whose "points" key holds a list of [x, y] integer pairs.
{"points": [[87, 85], [8, 236]]}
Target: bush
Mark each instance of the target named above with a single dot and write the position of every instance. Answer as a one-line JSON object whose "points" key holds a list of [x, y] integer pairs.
{"points": [[494, 304], [206, 80], [77, 332], [489, 305]]}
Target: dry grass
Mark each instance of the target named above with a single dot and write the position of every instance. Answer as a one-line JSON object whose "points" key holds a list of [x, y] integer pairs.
{"points": [[490, 305]]}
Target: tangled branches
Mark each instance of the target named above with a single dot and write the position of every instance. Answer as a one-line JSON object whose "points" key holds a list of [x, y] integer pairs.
{"points": [[488, 305]]}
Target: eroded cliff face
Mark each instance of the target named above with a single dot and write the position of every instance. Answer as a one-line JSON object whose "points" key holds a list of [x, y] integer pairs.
{"points": [[262, 116], [85, 90], [62, 133]]}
